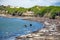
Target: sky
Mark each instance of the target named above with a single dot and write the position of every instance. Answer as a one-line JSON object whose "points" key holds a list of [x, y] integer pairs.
{"points": [[30, 3]]}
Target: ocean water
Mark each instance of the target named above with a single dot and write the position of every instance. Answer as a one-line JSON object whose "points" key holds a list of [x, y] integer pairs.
{"points": [[13, 27]]}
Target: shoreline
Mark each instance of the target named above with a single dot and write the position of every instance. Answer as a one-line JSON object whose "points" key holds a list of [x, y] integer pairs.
{"points": [[50, 29], [48, 23], [37, 19]]}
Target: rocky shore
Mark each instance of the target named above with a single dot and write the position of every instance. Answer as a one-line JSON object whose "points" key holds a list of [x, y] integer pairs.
{"points": [[51, 30]]}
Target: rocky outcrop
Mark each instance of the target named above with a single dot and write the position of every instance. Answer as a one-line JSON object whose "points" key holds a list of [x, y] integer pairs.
{"points": [[49, 32]]}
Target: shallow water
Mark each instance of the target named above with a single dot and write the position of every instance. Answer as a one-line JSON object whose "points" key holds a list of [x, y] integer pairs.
{"points": [[10, 27]]}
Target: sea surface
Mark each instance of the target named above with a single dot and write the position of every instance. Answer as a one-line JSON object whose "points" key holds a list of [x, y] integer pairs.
{"points": [[13, 27]]}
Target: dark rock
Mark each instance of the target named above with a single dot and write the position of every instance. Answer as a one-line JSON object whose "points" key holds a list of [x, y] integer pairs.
{"points": [[30, 24], [25, 25]]}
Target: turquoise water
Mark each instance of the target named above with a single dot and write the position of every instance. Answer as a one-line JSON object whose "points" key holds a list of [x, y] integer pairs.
{"points": [[10, 27]]}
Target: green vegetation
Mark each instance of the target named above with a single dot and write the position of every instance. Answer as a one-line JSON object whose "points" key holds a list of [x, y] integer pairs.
{"points": [[51, 11]]}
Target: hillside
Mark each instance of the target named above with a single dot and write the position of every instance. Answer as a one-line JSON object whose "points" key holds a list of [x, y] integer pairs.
{"points": [[50, 11]]}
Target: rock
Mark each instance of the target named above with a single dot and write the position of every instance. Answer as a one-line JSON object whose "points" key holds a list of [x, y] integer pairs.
{"points": [[25, 25], [30, 24], [46, 23], [58, 27]]}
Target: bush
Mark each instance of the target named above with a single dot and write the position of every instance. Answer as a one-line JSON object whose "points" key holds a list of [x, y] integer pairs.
{"points": [[53, 15]]}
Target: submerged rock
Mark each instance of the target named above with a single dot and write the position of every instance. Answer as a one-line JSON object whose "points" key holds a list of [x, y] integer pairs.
{"points": [[25, 25], [30, 24]]}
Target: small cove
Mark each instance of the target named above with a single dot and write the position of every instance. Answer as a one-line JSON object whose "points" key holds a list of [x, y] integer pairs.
{"points": [[10, 27]]}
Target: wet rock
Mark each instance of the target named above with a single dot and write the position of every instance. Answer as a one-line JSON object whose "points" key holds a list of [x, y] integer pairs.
{"points": [[30, 24], [25, 25]]}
